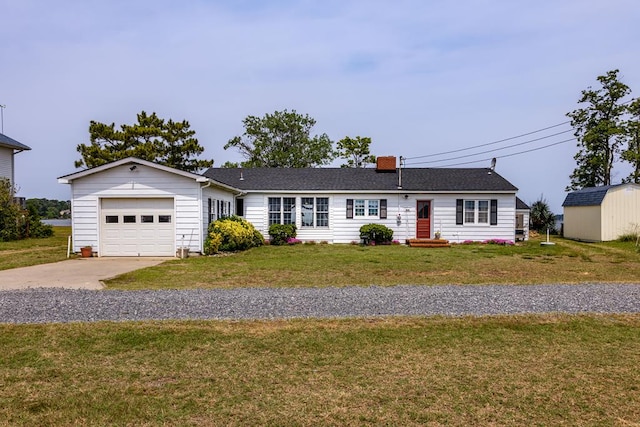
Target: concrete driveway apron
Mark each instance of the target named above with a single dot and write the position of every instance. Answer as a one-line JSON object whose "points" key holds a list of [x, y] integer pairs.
{"points": [[80, 273]]}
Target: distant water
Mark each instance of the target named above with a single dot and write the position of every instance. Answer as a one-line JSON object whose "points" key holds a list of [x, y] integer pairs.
{"points": [[57, 222]]}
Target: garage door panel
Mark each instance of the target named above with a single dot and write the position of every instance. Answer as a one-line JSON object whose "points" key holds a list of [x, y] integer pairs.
{"points": [[143, 234]]}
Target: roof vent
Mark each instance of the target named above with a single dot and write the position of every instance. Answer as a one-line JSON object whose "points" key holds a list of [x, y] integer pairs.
{"points": [[386, 164]]}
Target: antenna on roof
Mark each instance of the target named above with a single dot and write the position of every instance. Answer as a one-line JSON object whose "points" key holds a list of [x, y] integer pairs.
{"points": [[493, 165], [400, 173], [2, 107]]}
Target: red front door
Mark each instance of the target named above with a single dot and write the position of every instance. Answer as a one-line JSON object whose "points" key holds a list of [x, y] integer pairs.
{"points": [[423, 226]]}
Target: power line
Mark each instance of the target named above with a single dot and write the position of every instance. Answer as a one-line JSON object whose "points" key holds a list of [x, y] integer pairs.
{"points": [[495, 149], [489, 143], [506, 155]]}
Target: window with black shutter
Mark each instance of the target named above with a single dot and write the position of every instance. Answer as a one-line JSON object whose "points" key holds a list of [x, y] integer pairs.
{"points": [[459, 212], [494, 212]]}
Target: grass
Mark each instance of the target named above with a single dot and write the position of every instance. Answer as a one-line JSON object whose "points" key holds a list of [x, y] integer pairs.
{"points": [[342, 265], [530, 370], [517, 370], [23, 253]]}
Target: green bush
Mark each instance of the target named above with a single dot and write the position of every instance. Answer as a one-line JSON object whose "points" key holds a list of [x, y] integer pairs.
{"points": [[231, 234], [281, 233], [376, 233], [15, 224]]}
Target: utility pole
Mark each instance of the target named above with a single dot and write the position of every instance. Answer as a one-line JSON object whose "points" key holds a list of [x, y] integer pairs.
{"points": [[2, 107]]}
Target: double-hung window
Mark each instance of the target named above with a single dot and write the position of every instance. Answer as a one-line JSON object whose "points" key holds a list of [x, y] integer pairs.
{"points": [[282, 210], [477, 212], [366, 208], [314, 211]]}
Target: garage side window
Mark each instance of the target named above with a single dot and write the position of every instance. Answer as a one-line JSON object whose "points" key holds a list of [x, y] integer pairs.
{"points": [[111, 219]]}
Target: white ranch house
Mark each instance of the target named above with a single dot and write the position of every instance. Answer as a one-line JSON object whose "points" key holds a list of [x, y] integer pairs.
{"points": [[133, 207]]}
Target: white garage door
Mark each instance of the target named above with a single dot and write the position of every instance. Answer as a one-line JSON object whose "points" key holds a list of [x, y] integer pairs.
{"points": [[137, 227]]}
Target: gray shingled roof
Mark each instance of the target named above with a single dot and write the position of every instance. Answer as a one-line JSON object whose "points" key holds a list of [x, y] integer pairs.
{"points": [[520, 205], [5, 141], [360, 179], [590, 196]]}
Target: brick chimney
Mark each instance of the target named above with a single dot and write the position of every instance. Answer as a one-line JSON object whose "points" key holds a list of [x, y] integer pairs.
{"points": [[386, 164]]}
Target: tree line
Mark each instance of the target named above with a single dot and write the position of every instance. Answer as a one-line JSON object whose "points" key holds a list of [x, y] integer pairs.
{"points": [[281, 139], [50, 209]]}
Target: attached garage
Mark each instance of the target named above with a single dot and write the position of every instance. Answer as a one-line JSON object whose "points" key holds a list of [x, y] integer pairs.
{"points": [[133, 207], [137, 227]]}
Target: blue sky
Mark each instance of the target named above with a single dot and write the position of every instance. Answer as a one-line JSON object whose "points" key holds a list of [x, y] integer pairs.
{"points": [[419, 77]]}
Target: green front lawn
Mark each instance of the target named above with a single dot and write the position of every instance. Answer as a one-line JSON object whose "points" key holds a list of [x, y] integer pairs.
{"points": [[533, 370], [23, 253], [343, 265]]}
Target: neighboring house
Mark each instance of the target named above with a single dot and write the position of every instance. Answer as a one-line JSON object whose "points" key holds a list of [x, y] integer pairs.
{"points": [[597, 214], [137, 208], [522, 220], [9, 147]]}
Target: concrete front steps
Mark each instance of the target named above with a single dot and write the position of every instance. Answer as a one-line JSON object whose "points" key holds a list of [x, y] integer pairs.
{"points": [[429, 243]]}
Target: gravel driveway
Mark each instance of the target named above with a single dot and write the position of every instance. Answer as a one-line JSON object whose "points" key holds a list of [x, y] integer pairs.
{"points": [[68, 305]]}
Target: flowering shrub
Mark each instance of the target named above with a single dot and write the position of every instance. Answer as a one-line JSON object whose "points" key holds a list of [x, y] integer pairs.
{"points": [[231, 234], [502, 242], [293, 241]]}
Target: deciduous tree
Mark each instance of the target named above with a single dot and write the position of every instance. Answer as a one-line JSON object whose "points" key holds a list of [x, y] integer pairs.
{"points": [[168, 143], [631, 153], [282, 139], [355, 151], [599, 130]]}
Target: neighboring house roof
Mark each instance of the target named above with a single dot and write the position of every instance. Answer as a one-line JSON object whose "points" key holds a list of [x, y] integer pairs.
{"points": [[590, 196], [7, 142], [520, 205], [361, 179]]}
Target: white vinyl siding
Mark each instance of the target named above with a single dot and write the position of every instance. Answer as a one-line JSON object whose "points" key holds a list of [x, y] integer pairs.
{"points": [[345, 230], [6, 163]]}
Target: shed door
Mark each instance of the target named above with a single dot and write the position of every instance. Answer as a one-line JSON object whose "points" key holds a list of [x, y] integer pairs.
{"points": [[423, 226], [137, 227]]}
